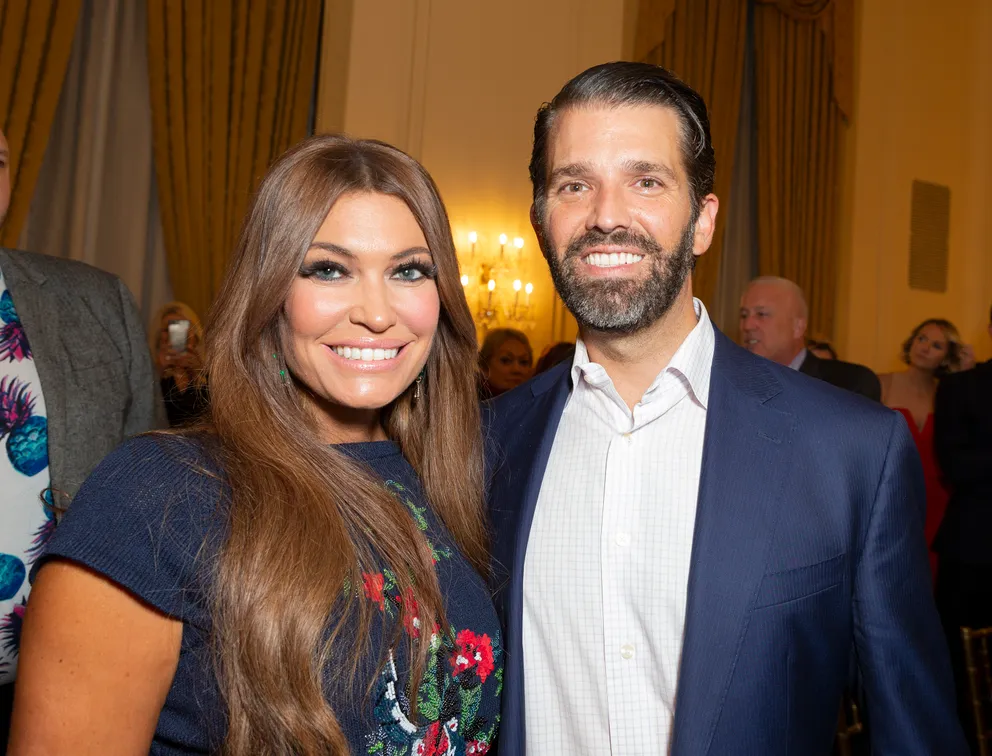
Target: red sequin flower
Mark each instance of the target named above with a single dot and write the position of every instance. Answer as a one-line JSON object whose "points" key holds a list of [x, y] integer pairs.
{"points": [[374, 583], [473, 651]]}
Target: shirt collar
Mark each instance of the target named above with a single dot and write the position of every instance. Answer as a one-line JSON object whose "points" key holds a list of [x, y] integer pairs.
{"points": [[799, 359], [692, 361]]}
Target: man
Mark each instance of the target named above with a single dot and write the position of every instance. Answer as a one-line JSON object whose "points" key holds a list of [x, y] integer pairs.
{"points": [[963, 444], [75, 380], [773, 324], [687, 539]]}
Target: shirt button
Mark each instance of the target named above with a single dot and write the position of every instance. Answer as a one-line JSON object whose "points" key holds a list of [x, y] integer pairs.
{"points": [[628, 437], [627, 651], [623, 539]]}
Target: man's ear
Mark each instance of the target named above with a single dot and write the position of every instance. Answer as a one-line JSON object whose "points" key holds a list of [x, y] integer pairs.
{"points": [[535, 220], [799, 328], [705, 224]]}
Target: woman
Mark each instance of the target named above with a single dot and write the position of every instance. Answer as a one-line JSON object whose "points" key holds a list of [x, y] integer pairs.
{"points": [[180, 363], [304, 575], [932, 350], [505, 361]]}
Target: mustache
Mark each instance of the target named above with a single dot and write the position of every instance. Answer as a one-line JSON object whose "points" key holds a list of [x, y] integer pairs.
{"points": [[621, 238]]}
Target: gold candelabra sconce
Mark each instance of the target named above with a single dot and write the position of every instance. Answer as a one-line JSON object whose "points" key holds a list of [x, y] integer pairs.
{"points": [[494, 285]]}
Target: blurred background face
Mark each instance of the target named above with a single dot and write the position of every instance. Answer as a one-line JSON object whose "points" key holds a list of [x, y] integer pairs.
{"points": [[363, 310], [509, 366], [4, 178], [771, 322], [929, 349]]}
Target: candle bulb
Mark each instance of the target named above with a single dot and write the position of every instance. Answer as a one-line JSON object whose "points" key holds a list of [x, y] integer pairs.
{"points": [[518, 242], [502, 244], [492, 287], [516, 296], [465, 280], [473, 237], [528, 289]]}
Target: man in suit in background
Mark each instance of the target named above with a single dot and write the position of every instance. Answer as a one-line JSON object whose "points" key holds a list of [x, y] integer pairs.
{"points": [[773, 324], [76, 379], [963, 444], [688, 539]]}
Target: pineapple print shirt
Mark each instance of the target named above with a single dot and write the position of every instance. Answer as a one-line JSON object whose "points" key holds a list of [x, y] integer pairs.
{"points": [[25, 519]]}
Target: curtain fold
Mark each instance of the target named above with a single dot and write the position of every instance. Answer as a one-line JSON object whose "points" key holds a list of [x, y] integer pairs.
{"points": [[799, 45], [703, 42], [231, 87], [35, 44], [95, 196]]}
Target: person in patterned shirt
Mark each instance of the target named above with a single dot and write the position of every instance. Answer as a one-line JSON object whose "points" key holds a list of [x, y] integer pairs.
{"points": [[75, 380]]}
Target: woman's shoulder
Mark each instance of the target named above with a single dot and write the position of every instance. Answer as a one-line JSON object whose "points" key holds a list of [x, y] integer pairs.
{"points": [[159, 458], [147, 518], [151, 483]]}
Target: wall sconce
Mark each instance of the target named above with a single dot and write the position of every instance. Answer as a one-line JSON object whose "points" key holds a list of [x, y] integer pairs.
{"points": [[495, 274]]}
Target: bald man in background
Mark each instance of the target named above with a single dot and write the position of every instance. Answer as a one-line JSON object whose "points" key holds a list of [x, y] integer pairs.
{"points": [[773, 325]]}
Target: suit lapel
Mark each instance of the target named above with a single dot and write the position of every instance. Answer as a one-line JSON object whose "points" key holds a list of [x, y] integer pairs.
{"points": [[28, 289], [527, 448], [735, 523]]}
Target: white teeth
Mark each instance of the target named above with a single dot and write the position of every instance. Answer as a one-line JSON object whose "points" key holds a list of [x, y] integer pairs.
{"points": [[365, 355], [613, 259]]}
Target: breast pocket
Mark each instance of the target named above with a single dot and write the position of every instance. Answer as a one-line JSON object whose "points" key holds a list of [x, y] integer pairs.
{"points": [[801, 582]]}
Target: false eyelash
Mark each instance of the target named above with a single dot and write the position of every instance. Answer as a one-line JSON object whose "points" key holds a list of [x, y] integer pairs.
{"points": [[316, 266], [428, 270]]}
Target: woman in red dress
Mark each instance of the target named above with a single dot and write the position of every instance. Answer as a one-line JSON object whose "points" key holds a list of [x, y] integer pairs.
{"points": [[933, 350]]}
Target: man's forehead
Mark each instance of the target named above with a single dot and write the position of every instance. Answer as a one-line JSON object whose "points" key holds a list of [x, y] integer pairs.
{"points": [[764, 295], [632, 132]]}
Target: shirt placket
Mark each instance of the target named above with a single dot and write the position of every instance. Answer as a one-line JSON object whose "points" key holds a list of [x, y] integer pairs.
{"points": [[620, 648]]}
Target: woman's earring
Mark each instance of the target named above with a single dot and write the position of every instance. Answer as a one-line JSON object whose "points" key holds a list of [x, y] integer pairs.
{"points": [[282, 369], [419, 381]]}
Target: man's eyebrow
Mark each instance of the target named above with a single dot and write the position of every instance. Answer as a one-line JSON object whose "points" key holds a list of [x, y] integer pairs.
{"points": [[572, 170], [578, 170], [646, 166]]}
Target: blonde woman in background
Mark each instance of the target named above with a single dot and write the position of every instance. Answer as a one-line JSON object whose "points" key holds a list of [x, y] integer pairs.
{"points": [[933, 350], [178, 348]]}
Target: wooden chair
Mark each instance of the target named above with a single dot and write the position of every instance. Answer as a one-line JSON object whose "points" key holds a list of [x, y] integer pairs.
{"points": [[848, 725], [976, 656]]}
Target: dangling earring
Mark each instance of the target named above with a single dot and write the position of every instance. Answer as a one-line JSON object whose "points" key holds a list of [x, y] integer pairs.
{"points": [[282, 370], [419, 381]]}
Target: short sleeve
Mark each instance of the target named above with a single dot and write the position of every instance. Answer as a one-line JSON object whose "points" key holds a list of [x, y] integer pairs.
{"points": [[148, 519]]}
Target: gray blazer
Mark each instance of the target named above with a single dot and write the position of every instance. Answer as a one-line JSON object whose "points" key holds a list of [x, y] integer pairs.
{"points": [[92, 358]]}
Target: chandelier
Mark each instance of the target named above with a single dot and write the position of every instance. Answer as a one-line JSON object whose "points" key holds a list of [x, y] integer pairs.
{"points": [[494, 287]]}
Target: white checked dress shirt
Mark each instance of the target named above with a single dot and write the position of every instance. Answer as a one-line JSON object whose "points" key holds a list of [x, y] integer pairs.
{"points": [[607, 564]]}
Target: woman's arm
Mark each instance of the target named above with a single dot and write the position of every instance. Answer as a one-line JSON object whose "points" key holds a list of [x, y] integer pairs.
{"points": [[96, 664]]}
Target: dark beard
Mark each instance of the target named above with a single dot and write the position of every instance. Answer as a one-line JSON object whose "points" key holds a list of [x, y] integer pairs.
{"points": [[621, 306]]}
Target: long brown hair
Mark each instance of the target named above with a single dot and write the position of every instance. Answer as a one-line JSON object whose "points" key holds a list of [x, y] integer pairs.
{"points": [[305, 521]]}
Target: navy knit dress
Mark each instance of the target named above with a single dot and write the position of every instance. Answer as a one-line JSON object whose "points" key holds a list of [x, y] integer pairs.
{"points": [[148, 519]]}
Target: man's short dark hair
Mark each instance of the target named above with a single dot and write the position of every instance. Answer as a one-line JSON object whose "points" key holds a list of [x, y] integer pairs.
{"points": [[624, 83]]}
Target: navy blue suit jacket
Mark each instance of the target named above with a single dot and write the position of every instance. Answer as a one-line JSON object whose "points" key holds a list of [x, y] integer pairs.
{"points": [[808, 539]]}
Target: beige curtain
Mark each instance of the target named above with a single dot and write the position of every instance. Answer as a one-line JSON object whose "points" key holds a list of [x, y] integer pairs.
{"points": [[231, 86], [35, 42], [804, 92], [95, 199], [703, 42]]}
